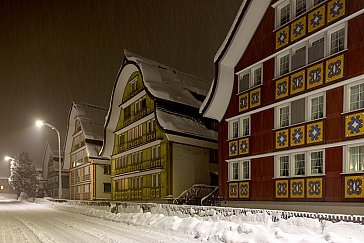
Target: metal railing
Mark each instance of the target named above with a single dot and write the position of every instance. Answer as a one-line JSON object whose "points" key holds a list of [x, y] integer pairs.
{"points": [[194, 195]]}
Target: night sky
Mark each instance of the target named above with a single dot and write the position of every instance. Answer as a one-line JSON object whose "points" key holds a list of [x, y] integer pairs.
{"points": [[56, 52]]}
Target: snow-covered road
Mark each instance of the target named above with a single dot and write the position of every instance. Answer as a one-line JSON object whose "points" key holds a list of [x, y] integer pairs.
{"points": [[28, 222]]}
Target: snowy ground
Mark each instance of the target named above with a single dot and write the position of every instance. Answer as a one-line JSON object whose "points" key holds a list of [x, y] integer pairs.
{"points": [[43, 222]]}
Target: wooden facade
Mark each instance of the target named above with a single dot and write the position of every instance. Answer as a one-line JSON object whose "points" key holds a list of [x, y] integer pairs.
{"points": [[332, 135]]}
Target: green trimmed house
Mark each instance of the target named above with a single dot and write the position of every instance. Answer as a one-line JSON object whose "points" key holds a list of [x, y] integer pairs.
{"points": [[158, 143]]}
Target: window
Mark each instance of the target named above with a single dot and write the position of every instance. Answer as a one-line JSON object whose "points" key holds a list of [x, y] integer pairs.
{"points": [[107, 187], [245, 124], [299, 57], [87, 170], [356, 97], [283, 116], [284, 166], [283, 64], [316, 162], [107, 169], [356, 158], [151, 125], [156, 152], [317, 49], [127, 112], [133, 85], [87, 188], [257, 77], [300, 7], [239, 170], [337, 40], [317, 2], [235, 129], [156, 180], [250, 78], [284, 14], [316, 106], [299, 164]]}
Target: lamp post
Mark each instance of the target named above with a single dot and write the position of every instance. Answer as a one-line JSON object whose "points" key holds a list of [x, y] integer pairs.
{"points": [[40, 124]]}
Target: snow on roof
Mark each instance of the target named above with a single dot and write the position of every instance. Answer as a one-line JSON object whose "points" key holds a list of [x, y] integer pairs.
{"points": [[166, 83], [241, 32], [92, 119], [184, 124]]}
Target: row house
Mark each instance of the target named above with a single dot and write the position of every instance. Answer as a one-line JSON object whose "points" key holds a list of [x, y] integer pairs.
{"points": [[89, 173], [158, 142], [289, 95], [50, 174]]}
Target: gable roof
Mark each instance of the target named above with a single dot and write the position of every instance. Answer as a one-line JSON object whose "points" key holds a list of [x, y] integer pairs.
{"points": [[92, 119], [48, 153], [241, 32], [166, 86]]}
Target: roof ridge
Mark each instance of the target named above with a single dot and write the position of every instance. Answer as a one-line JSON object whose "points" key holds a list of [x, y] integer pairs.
{"points": [[89, 105]]}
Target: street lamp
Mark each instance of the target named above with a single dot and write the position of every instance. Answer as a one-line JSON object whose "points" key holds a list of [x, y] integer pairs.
{"points": [[40, 124], [7, 158]]}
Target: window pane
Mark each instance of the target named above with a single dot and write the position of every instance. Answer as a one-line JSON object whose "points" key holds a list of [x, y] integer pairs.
{"points": [[317, 107], [317, 162], [285, 14], [284, 116], [257, 77], [284, 65], [337, 41], [356, 158], [357, 97], [245, 127], [235, 171], [300, 7], [245, 170], [299, 164], [235, 129], [243, 82], [284, 166]]}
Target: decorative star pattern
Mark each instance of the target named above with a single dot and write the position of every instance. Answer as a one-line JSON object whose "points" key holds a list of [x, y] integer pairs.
{"points": [[298, 29], [233, 149], [317, 17], [243, 146], [334, 69], [314, 188], [282, 37], [336, 7], [355, 124], [314, 133], [354, 186], [282, 139], [297, 135]]}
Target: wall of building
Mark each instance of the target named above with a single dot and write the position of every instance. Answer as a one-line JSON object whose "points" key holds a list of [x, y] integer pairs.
{"points": [[190, 166], [101, 178], [262, 185]]}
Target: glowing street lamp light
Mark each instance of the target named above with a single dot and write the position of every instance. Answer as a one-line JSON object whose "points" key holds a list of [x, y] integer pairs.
{"points": [[40, 123], [7, 158]]}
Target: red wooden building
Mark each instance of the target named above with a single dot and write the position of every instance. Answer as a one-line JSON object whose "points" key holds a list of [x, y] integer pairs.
{"points": [[289, 95]]}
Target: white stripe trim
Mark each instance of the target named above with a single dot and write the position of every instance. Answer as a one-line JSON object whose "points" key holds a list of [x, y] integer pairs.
{"points": [[306, 149], [304, 40], [132, 100], [316, 91], [137, 149], [137, 173], [137, 123]]}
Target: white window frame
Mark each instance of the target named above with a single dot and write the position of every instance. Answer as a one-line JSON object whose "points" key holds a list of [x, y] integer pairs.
{"points": [[231, 129], [241, 131], [277, 170], [308, 163], [250, 72], [334, 29], [316, 38], [252, 76], [347, 95], [293, 52], [240, 170], [308, 111], [278, 13], [277, 122], [346, 159], [240, 127], [293, 164], [278, 64], [294, 9]]}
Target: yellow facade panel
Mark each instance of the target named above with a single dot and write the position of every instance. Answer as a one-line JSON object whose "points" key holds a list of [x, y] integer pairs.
{"points": [[297, 136], [281, 189], [314, 187], [282, 37], [297, 188]]}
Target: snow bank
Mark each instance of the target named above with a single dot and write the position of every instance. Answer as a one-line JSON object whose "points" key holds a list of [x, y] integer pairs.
{"points": [[215, 227]]}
